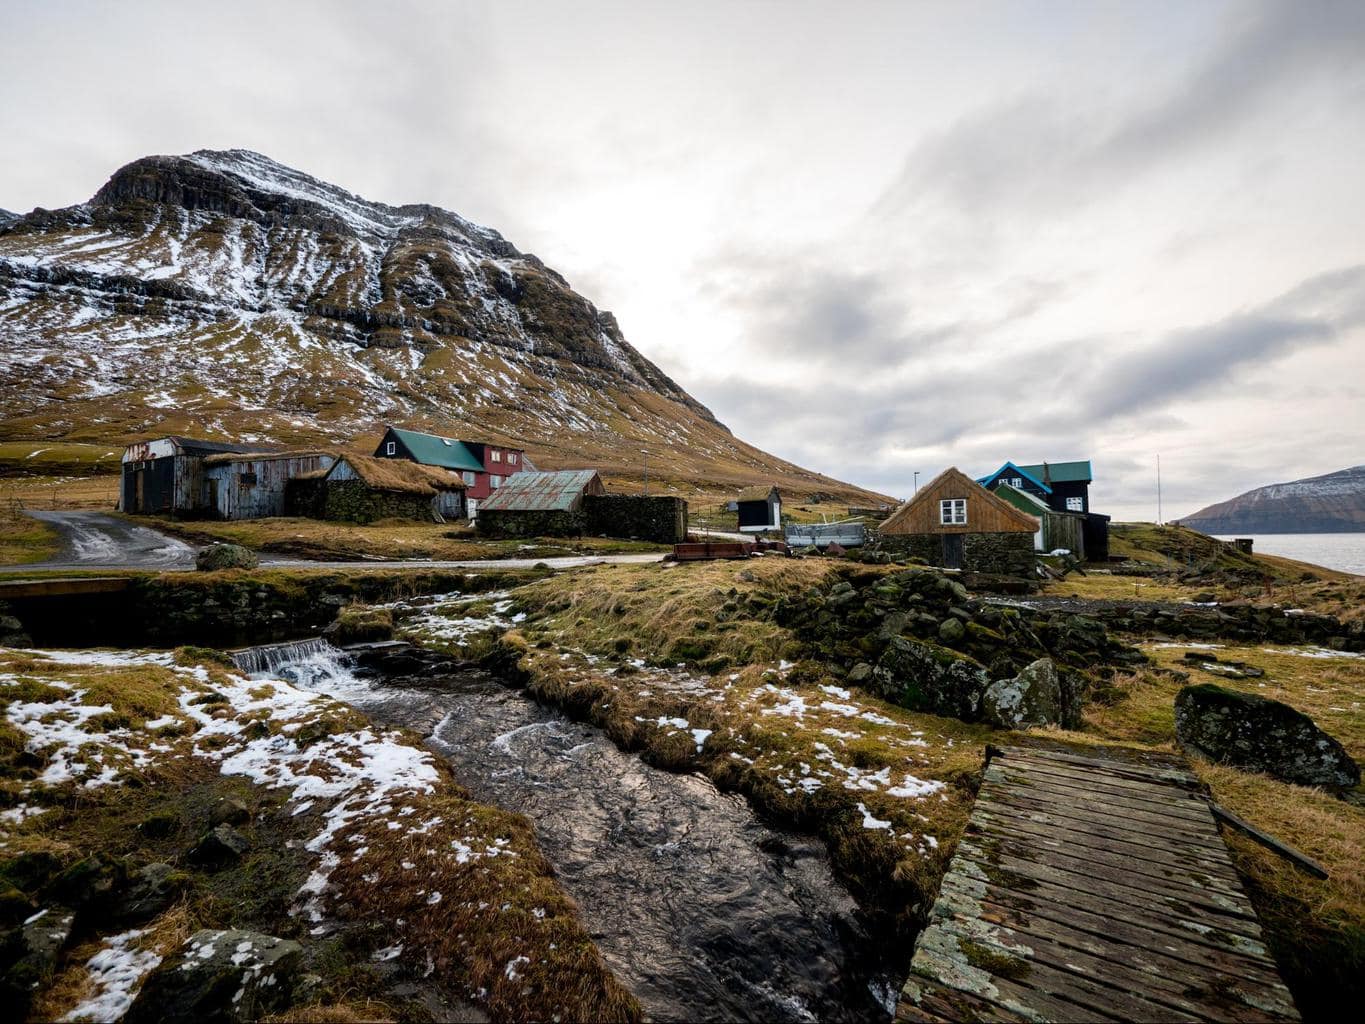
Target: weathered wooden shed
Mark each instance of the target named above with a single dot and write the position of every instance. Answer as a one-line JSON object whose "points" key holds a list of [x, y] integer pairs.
{"points": [[760, 509], [1057, 530], [253, 486], [540, 504], [955, 522], [166, 475], [362, 489]]}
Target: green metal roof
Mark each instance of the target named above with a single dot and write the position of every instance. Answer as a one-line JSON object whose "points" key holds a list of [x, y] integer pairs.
{"points": [[432, 450], [540, 492], [1061, 472]]}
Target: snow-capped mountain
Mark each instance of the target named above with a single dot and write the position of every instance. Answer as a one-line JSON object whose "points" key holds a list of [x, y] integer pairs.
{"points": [[1333, 503], [224, 294]]}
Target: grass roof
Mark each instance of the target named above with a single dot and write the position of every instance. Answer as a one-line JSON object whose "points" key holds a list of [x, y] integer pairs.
{"points": [[223, 458], [400, 475]]}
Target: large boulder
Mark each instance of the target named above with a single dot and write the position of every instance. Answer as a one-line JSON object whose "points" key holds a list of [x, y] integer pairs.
{"points": [[1260, 735], [1033, 697], [220, 977], [225, 556], [928, 677]]}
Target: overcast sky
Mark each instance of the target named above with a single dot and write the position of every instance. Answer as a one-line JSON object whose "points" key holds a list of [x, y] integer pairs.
{"points": [[874, 237]]}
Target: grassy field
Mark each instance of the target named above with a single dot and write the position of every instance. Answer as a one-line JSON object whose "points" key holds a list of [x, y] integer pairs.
{"points": [[652, 655], [57, 458], [138, 751], [387, 539]]}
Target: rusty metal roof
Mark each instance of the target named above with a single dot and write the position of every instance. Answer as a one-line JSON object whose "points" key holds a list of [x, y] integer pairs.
{"points": [[541, 492]]}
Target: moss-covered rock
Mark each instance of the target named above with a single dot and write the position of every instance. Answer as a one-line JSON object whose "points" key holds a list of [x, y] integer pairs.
{"points": [[1261, 735], [221, 976], [1033, 697], [225, 556], [929, 677]]}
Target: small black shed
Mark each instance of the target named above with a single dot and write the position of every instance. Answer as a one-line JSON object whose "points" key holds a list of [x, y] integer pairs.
{"points": [[759, 509]]}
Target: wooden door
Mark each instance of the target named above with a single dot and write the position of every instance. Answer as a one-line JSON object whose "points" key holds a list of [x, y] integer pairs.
{"points": [[952, 551], [140, 491]]}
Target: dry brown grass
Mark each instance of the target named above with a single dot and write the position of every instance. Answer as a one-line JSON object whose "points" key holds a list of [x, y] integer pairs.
{"points": [[366, 1011]]}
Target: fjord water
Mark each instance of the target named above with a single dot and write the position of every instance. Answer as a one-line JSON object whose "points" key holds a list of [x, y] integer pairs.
{"points": [[700, 909], [1344, 552]]}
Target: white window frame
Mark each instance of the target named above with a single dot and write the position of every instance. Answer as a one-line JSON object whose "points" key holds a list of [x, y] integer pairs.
{"points": [[1016, 482], [512, 458], [391, 448], [468, 478], [952, 512], [495, 481], [496, 456], [1075, 504]]}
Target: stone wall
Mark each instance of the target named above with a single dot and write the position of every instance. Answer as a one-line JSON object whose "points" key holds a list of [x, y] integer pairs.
{"points": [[662, 520], [549, 523], [356, 502], [1006, 554]]}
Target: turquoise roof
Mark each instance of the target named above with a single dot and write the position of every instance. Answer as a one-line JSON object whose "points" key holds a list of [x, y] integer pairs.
{"points": [[1025, 471], [432, 450]]}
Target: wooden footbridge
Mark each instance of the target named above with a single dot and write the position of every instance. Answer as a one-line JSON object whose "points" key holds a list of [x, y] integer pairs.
{"points": [[1090, 889]]}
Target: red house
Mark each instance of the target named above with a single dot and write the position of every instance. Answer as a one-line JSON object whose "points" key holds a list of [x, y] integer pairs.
{"points": [[483, 467]]}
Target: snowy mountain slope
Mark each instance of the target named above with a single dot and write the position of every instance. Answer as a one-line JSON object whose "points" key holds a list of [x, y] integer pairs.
{"points": [[1331, 503], [224, 294]]}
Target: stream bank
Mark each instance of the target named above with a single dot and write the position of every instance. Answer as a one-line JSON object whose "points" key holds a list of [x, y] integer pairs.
{"points": [[701, 909]]}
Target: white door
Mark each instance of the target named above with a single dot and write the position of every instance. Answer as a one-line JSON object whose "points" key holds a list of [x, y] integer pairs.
{"points": [[473, 504]]}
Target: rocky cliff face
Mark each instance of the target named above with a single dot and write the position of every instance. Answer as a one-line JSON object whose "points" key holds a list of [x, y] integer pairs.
{"points": [[226, 295], [1333, 503]]}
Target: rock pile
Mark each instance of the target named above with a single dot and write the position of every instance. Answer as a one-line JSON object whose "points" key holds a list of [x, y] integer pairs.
{"points": [[919, 639]]}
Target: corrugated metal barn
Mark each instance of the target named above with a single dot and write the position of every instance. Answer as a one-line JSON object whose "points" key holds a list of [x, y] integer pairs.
{"points": [[167, 475], [253, 486]]}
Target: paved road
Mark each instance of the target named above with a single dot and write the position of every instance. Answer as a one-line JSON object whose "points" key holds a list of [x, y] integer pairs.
{"points": [[95, 540]]}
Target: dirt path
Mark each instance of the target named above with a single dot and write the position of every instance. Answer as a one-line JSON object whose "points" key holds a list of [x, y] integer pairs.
{"points": [[98, 540]]}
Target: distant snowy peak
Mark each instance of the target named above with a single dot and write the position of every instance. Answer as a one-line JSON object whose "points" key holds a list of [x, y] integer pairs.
{"points": [[6, 217], [1334, 502]]}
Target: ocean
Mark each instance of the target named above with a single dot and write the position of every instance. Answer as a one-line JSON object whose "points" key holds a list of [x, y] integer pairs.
{"points": [[1342, 551]]}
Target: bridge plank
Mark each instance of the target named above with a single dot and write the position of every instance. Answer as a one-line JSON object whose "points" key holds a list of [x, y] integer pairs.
{"points": [[1092, 888]]}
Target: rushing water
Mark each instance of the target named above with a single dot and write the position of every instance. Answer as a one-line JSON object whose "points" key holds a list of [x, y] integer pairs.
{"points": [[1342, 551], [699, 908]]}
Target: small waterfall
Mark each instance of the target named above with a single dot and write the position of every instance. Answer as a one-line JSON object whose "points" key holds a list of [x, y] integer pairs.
{"points": [[273, 657], [308, 664]]}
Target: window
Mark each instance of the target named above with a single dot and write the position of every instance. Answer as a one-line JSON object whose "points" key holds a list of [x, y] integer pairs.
{"points": [[391, 448], [248, 479], [468, 478], [1016, 481], [512, 458], [1075, 504], [496, 456], [495, 481], [953, 512]]}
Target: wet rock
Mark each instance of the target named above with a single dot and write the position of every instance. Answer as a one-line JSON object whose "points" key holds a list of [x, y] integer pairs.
{"points": [[951, 630], [1252, 732], [927, 677], [150, 892], [30, 957], [229, 811], [1033, 697], [225, 556], [223, 845], [860, 673], [220, 976]]}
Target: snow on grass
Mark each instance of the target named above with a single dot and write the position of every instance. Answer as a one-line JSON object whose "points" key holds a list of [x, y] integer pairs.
{"points": [[116, 973]]}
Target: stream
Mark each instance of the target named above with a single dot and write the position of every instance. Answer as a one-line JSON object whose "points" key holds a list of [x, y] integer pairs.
{"points": [[699, 908]]}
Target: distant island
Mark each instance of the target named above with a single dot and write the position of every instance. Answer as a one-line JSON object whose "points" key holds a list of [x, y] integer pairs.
{"points": [[1333, 503]]}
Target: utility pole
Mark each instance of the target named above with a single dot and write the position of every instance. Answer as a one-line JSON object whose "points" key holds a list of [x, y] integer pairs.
{"points": [[917, 481], [1158, 490]]}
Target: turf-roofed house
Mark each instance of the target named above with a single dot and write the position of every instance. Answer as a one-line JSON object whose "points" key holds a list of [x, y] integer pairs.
{"points": [[956, 523], [483, 466], [362, 489]]}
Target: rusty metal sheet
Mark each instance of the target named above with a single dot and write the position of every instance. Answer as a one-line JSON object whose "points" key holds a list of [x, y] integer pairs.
{"points": [[542, 492]]}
